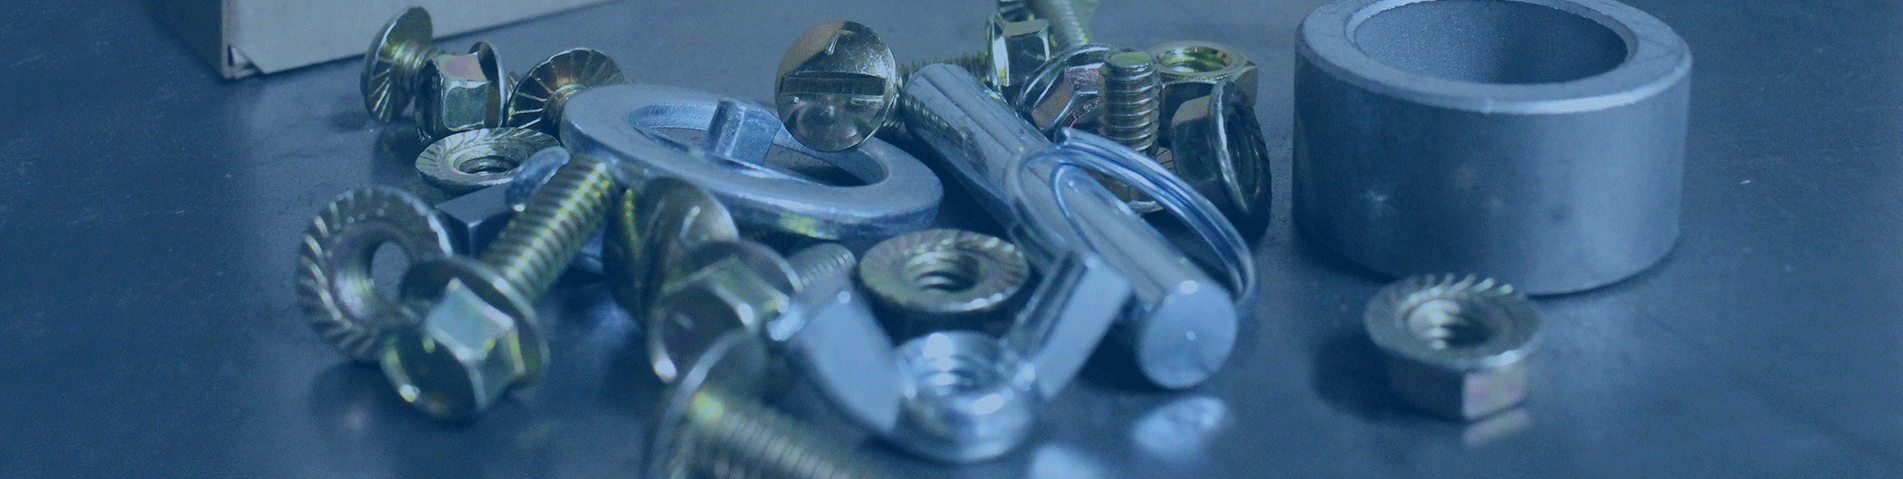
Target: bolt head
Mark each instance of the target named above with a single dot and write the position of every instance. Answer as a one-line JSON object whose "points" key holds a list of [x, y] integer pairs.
{"points": [[1016, 50], [732, 293], [650, 233], [460, 358], [389, 67], [536, 101], [1456, 346], [461, 93], [837, 85], [1067, 91]]}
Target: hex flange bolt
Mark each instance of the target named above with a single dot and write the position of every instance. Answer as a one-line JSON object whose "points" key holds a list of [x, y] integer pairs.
{"points": [[1537, 141]]}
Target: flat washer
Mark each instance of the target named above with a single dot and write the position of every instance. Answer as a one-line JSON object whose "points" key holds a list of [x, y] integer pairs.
{"points": [[626, 124]]}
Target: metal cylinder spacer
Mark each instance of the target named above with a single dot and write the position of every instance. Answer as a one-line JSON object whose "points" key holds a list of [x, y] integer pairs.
{"points": [[1540, 142], [630, 124]]}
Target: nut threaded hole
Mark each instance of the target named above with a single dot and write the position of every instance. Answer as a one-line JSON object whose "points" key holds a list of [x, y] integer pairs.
{"points": [[487, 165], [1194, 59], [944, 271], [1448, 323]]}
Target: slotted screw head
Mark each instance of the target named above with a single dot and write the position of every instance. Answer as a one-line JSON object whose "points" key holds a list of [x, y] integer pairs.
{"points": [[391, 65], [536, 102], [837, 85]]}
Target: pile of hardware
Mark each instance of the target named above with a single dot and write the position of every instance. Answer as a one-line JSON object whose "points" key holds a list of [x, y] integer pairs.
{"points": [[730, 231]]}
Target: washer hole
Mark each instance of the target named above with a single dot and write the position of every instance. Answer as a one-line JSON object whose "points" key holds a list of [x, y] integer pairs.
{"points": [[1448, 324], [944, 271], [1490, 41], [387, 265], [1194, 59], [487, 165]]}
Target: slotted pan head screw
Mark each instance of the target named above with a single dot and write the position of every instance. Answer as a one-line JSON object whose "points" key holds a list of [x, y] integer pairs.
{"points": [[837, 86]]}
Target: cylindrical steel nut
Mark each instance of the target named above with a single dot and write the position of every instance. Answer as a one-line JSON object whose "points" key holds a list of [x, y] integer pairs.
{"points": [[1421, 145]]}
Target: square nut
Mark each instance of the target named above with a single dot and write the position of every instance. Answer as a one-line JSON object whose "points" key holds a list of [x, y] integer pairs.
{"points": [[474, 219]]}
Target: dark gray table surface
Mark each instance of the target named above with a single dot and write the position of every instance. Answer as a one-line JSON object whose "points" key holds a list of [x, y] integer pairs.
{"points": [[149, 214]]}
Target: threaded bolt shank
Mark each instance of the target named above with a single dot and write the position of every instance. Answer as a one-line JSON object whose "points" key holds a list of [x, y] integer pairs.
{"points": [[739, 439], [1132, 94], [821, 261], [1067, 24], [534, 248]]}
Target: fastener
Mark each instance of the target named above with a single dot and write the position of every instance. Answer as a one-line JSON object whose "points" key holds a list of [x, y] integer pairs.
{"points": [[334, 284], [708, 428], [1456, 346], [461, 93], [1183, 324], [650, 233], [836, 86], [537, 101], [479, 336], [471, 160], [391, 66], [942, 280]]}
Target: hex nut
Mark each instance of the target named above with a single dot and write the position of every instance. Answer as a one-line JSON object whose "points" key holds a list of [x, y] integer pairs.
{"points": [[1190, 69], [1456, 346], [334, 283], [1219, 150], [837, 85], [942, 280], [472, 160], [461, 93], [966, 397]]}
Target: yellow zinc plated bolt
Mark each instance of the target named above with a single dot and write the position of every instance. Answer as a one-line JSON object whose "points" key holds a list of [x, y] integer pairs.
{"points": [[479, 336], [391, 67]]}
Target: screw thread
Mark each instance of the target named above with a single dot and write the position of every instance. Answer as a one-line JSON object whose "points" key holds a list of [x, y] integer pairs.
{"points": [[536, 246], [1132, 99], [1067, 23], [822, 260], [976, 62], [737, 439]]}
